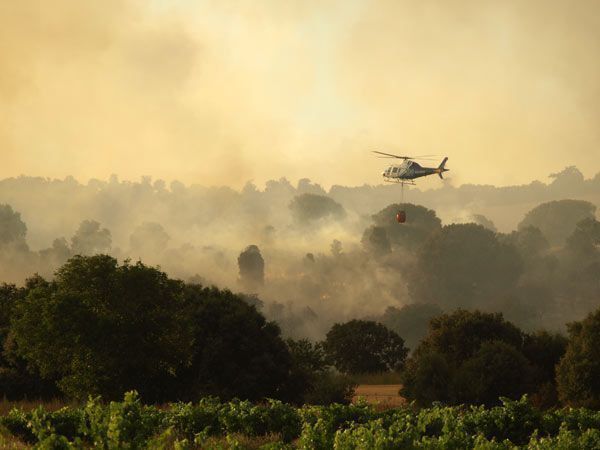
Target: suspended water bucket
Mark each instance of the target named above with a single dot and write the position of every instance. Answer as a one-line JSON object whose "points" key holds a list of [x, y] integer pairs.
{"points": [[401, 217]]}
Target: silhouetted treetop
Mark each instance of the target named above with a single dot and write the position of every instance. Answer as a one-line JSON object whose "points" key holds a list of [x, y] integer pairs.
{"points": [[307, 208], [558, 219]]}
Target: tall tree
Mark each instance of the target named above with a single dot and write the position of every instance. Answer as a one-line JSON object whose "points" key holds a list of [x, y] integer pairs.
{"points": [[252, 268]]}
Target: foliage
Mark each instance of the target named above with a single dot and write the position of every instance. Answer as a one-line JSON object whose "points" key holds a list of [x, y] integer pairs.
{"points": [[464, 265], [211, 424], [307, 208], [236, 352], [375, 241], [104, 328], [361, 346], [410, 321], [94, 328], [252, 268], [420, 224], [474, 358], [12, 228], [558, 219], [90, 239], [578, 373]]}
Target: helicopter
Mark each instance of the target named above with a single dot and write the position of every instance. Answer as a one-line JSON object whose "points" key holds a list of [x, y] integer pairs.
{"points": [[406, 172]]}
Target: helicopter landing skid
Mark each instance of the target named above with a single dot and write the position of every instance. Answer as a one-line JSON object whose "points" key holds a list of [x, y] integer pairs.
{"points": [[403, 182]]}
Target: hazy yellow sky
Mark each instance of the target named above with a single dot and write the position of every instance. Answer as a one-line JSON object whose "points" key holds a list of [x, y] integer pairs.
{"points": [[222, 92]]}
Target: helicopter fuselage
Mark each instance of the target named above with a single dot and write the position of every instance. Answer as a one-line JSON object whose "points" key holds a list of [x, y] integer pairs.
{"points": [[409, 170]]}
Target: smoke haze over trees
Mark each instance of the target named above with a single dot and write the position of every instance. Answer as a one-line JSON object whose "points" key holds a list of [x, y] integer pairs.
{"points": [[315, 257]]}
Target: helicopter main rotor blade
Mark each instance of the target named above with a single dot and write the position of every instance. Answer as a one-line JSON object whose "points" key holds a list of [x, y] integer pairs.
{"points": [[389, 155]]}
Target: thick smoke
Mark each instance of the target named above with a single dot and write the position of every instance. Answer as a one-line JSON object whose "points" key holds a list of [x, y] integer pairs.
{"points": [[308, 274], [222, 92]]}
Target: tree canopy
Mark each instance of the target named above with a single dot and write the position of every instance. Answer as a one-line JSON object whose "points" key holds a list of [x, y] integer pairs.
{"points": [[420, 224], [557, 219], [464, 265], [475, 357], [307, 208], [361, 346]]}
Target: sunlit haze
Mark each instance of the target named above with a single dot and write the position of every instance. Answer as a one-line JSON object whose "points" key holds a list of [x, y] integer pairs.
{"points": [[222, 92]]}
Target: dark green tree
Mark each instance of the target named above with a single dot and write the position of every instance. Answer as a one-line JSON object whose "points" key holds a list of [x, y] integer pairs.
{"points": [[18, 380], [236, 351], [459, 334], [578, 372], [544, 351], [462, 359], [411, 321], [464, 265], [496, 370], [361, 346], [104, 328]]}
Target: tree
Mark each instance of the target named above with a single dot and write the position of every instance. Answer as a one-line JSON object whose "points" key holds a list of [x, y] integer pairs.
{"points": [[529, 242], [463, 359], [17, 379], [578, 372], [308, 365], [558, 219], [464, 265], [12, 229], [104, 328], [149, 238], [496, 370], [336, 248], [544, 351], [585, 239], [308, 208], [420, 224], [375, 241], [90, 239], [480, 219], [410, 321], [236, 351], [252, 268], [459, 334], [361, 346]]}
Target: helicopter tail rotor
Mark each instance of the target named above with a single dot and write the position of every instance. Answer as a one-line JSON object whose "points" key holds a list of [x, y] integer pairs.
{"points": [[441, 168]]}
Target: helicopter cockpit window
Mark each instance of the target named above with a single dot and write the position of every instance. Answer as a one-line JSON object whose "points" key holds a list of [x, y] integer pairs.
{"points": [[395, 170]]}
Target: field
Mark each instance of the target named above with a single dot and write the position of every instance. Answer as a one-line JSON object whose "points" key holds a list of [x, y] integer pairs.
{"points": [[385, 396], [210, 424]]}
